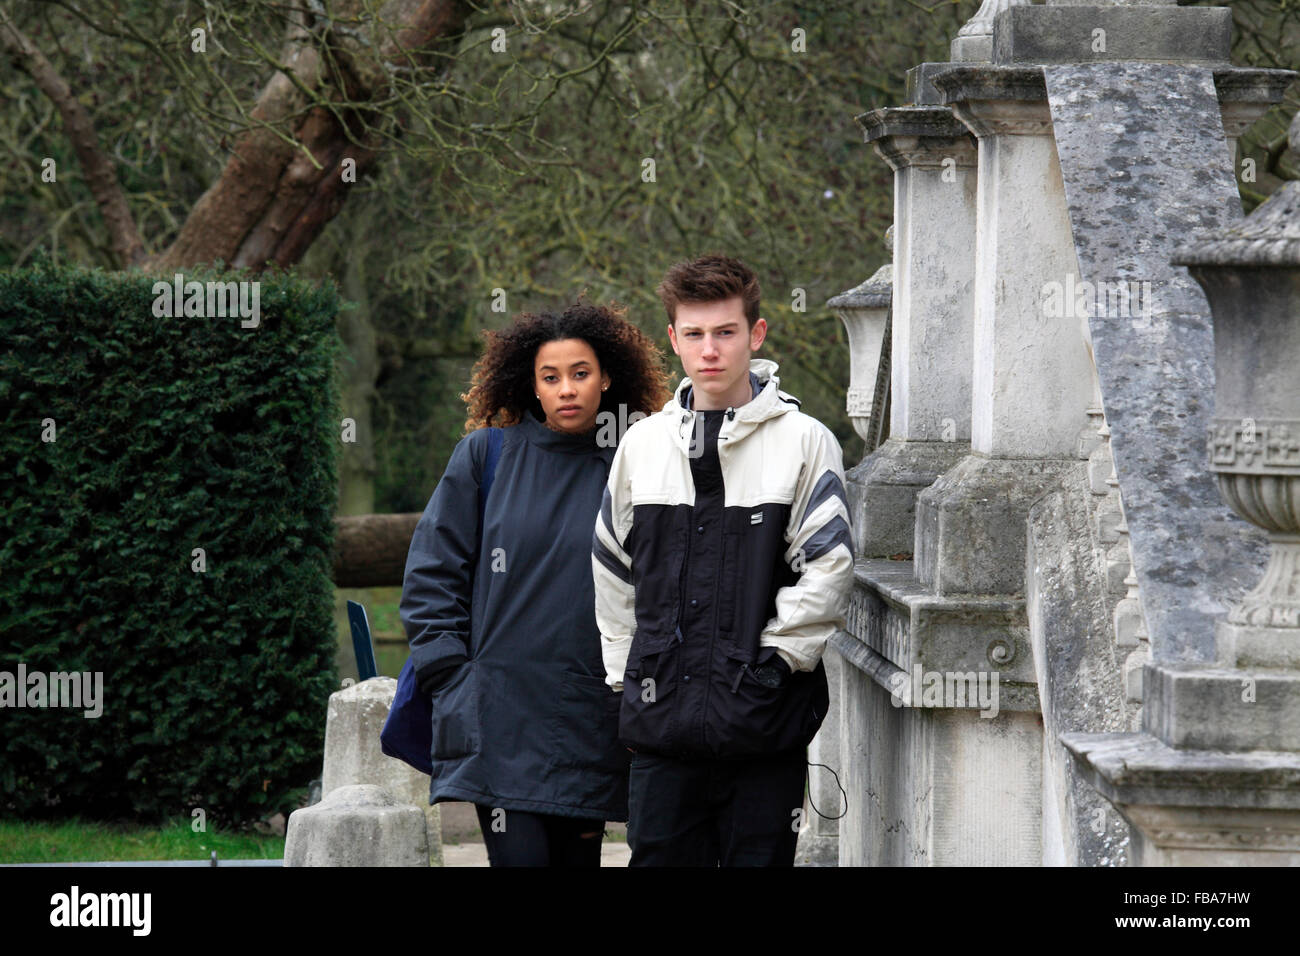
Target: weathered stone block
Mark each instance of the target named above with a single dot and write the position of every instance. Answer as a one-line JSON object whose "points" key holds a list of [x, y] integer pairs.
{"points": [[1069, 34], [914, 629], [882, 492], [1189, 553], [1078, 676], [1195, 807], [1207, 707], [357, 826], [970, 532], [1108, 522], [920, 83], [934, 786]]}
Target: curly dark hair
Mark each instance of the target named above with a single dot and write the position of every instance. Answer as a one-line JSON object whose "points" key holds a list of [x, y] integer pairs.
{"points": [[501, 389]]}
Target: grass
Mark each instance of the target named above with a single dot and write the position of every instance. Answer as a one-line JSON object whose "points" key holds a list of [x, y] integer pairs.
{"points": [[80, 841], [383, 613]]}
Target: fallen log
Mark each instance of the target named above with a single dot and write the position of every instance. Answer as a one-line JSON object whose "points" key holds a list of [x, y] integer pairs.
{"points": [[370, 550]]}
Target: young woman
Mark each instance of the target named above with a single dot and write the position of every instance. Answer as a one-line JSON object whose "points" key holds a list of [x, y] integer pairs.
{"points": [[501, 619]]}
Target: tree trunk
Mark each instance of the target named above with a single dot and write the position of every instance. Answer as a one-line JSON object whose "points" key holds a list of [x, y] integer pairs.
{"points": [[270, 203], [360, 369]]}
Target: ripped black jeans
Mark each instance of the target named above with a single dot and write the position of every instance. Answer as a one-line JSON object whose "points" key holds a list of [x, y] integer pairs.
{"points": [[520, 838]]}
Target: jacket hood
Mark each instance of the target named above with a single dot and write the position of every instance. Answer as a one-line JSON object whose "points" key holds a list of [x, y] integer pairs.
{"points": [[768, 402]]}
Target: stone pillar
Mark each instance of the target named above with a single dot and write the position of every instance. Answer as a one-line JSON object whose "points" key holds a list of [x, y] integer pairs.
{"points": [[1032, 378], [353, 757], [1215, 777], [1117, 126], [933, 158], [864, 310]]}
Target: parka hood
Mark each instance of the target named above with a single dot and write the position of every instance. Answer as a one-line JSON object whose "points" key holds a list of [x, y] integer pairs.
{"points": [[768, 402]]}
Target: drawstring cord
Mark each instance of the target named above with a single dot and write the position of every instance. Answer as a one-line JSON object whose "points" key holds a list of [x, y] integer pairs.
{"points": [[837, 783]]}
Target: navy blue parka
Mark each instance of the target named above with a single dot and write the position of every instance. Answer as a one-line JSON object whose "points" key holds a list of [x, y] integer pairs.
{"points": [[527, 722]]}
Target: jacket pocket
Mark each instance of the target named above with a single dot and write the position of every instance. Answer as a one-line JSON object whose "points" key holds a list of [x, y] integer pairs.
{"points": [[750, 718], [455, 715], [647, 714], [584, 725]]}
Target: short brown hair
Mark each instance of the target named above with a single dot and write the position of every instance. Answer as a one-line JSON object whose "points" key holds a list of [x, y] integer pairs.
{"points": [[710, 278]]}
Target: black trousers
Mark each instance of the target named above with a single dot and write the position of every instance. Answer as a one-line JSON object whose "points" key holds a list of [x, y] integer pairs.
{"points": [[715, 812], [519, 838]]}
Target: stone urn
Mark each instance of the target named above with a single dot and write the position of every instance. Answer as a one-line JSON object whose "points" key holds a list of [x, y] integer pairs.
{"points": [[1251, 275], [864, 310]]}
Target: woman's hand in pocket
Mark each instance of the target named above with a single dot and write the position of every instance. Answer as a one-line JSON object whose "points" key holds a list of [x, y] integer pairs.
{"points": [[439, 674]]}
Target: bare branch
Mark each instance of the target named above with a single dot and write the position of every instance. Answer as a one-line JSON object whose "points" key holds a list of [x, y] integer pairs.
{"points": [[101, 176]]}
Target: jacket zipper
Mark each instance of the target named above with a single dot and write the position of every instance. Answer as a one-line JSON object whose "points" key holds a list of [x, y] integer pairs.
{"points": [[713, 630], [681, 577]]}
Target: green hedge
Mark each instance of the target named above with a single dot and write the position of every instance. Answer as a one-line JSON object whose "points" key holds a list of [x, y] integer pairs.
{"points": [[171, 434]]}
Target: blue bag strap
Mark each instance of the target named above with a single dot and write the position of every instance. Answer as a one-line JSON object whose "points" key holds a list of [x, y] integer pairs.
{"points": [[489, 471], [486, 477]]}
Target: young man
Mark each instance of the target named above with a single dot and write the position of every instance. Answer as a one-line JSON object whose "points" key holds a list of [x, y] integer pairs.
{"points": [[723, 560]]}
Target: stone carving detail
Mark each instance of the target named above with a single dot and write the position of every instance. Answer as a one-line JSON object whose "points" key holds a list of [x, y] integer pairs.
{"points": [[1255, 446], [1198, 838], [929, 152], [1248, 272], [1275, 601], [865, 311], [974, 41], [1090, 436], [877, 625], [1004, 124], [858, 402], [1257, 465], [1001, 652], [1115, 561]]}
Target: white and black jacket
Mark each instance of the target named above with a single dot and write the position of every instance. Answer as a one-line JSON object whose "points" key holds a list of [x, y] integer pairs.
{"points": [[700, 582]]}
